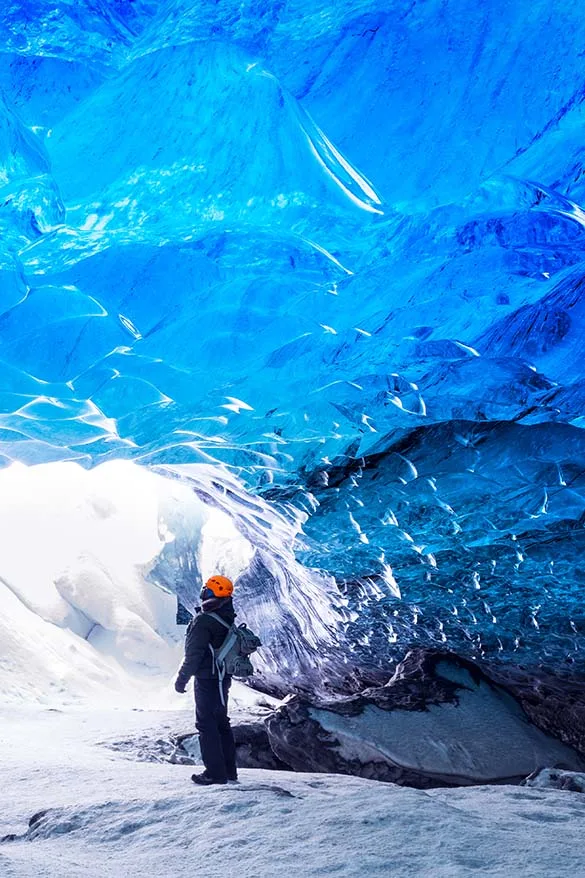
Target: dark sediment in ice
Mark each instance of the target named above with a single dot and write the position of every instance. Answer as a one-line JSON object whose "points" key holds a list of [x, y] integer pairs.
{"points": [[439, 721], [554, 703]]}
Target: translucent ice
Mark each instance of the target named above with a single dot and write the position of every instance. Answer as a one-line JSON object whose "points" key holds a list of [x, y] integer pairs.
{"points": [[335, 249]]}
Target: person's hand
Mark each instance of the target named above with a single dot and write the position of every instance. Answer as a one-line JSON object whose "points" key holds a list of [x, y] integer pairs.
{"points": [[179, 687]]}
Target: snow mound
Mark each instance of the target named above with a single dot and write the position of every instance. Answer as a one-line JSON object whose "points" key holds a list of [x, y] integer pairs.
{"points": [[79, 617], [557, 779]]}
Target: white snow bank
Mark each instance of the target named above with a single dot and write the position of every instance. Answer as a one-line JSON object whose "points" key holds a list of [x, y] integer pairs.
{"points": [[108, 817], [55, 516], [50, 665]]}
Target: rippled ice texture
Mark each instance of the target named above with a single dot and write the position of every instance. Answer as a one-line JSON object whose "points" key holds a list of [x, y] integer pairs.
{"points": [[336, 248]]}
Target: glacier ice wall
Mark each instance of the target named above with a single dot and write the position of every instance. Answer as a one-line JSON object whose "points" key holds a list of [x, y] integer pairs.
{"points": [[336, 249]]}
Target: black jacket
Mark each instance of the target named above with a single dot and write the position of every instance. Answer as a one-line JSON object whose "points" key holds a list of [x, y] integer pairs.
{"points": [[202, 631]]}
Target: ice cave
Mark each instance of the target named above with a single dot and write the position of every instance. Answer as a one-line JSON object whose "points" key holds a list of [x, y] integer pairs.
{"points": [[291, 292]]}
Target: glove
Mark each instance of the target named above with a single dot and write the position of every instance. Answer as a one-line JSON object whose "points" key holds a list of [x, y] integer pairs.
{"points": [[179, 687]]}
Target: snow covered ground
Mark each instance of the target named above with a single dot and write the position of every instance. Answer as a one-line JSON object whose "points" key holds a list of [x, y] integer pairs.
{"points": [[110, 816]]}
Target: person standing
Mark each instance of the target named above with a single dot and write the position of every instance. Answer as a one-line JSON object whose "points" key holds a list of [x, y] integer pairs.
{"points": [[216, 739]]}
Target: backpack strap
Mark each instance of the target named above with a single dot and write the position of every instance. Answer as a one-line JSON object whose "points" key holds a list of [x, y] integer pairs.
{"points": [[229, 641], [220, 654], [225, 648], [219, 619]]}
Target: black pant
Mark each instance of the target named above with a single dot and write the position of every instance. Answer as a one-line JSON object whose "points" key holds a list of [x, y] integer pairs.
{"points": [[216, 739]]}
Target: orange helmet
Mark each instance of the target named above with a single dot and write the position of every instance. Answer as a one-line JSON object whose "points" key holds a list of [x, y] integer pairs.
{"points": [[221, 586]]}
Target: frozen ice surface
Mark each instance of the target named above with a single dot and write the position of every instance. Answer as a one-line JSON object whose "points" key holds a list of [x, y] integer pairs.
{"points": [[482, 737]]}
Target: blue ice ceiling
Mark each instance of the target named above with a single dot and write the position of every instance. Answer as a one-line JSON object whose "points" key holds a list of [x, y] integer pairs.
{"points": [[337, 248]]}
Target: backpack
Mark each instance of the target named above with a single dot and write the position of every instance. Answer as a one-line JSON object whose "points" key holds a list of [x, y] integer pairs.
{"points": [[232, 657]]}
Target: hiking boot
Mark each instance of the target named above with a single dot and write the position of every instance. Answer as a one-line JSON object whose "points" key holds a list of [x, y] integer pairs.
{"points": [[205, 780]]}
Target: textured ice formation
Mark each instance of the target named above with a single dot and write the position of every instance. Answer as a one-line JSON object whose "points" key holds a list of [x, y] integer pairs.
{"points": [[335, 250], [451, 725]]}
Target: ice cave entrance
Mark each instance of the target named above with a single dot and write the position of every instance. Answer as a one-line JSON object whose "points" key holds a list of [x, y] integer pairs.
{"points": [[103, 567], [95, 563]]}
